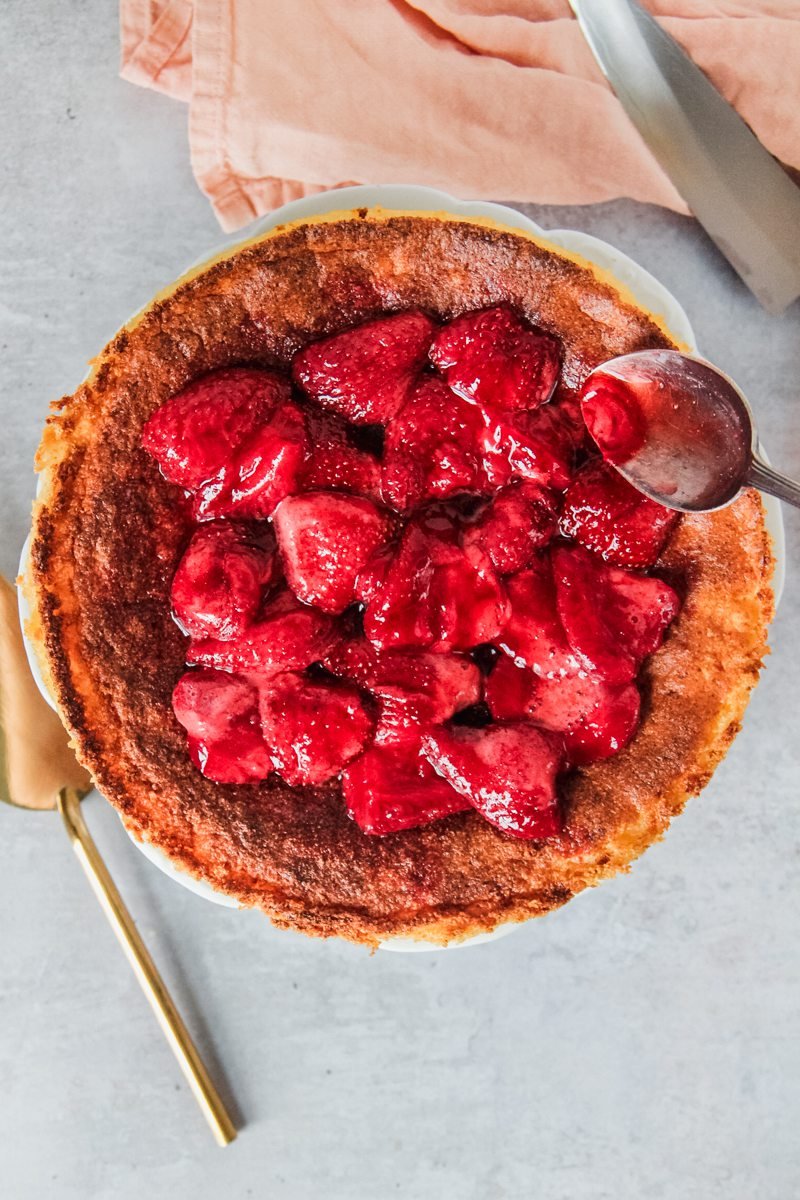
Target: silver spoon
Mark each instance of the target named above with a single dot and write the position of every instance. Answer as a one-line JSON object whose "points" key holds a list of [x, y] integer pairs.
{"points": [[679, 430]]}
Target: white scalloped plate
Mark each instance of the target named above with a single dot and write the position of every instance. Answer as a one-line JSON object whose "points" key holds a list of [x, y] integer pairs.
{"points": [[647, 292]]}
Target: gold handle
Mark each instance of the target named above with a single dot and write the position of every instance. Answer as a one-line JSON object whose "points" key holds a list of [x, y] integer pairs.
{"points": [[153, 986]]}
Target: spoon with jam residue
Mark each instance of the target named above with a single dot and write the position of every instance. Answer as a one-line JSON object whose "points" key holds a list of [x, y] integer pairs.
{"points": [[679, 430]]}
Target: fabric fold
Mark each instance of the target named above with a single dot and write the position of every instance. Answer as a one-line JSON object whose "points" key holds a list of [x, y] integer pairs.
{"points": [[490, 101]]}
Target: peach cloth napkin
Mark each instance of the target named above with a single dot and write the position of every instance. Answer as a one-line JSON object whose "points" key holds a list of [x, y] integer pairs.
{"points": [[491, 99]]}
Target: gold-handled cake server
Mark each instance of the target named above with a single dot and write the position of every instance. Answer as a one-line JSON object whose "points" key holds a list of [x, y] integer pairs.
{"points": [[39, 771]]}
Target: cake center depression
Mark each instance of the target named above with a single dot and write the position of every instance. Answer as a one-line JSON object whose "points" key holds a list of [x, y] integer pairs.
{"points": [[411, 570]]}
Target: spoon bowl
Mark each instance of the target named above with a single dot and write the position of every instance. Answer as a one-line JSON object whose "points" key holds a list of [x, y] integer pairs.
{"points": [[678, 429]]}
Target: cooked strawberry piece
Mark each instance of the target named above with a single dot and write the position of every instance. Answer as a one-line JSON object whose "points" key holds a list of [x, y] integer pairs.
{"points": [[197, 432], [604, 513], [507, 772], [395, 585], [217, 588], [220, 715], [334, 462], [496, 359], [429, 594], [258, 475], [538, 446], [533, 635], [342, 467], [519, 521], [509, 690], [609, 717], [325, 539], [393, 787], [613, 618], [413, 687], [433, 448], [207, 702], [366, 373], [287, 636], [241, 757], [593, 617], [595, 718], [615, 422], [372, 578], [467, 603], [312, 728]]}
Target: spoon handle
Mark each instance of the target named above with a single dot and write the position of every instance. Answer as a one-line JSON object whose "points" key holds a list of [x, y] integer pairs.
{"points": [[145, 970], [766, 480]]}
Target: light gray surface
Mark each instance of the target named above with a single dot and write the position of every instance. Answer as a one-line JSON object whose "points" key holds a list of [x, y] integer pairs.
{"points": [[642, 1042]]}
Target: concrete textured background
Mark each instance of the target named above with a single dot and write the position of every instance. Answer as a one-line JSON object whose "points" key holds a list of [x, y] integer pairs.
{"points": [[642, 1042]]}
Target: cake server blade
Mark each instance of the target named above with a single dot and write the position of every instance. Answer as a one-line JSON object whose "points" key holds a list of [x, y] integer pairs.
{"points": [[39, 771], [739, 193]]}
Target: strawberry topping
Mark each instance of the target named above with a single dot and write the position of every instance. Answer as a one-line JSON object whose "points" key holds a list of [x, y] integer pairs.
{"points": [[264, 469], [617, 426], [325, 539], [233, 439], [414, 688], [428, 593], [596, 719], [197, 433], [604, 513], [506, 771], [345, 468], [433, 448], [220, 715], [312, 728], [609, 717], [539, 446], [287, 636], [612, 618], [335, 462], [496, 359], [217, 588], [519, 521], [533, 635], [431, 643], [392, 788], [366, 374]]}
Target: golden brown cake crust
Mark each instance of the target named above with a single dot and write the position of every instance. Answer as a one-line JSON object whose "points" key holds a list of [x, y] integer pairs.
{"points": [[109, 531]]}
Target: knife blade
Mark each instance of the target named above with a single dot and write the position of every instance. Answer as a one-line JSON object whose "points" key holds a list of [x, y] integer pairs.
{"points": [[739, 193]]}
